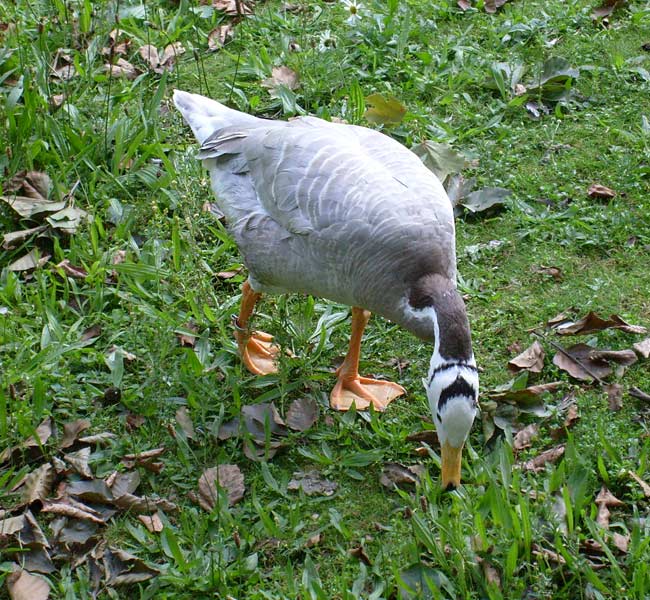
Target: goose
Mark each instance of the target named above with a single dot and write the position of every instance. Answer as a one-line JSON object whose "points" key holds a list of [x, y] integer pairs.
{"points": [[345, 213]]}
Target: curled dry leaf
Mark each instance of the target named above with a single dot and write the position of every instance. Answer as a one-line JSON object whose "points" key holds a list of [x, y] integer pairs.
{"points": [[548, 555], [38, 484], [464, 5], [491, 574], [71, 270], [491, 6], [538, 463], [642, 348], [578, 362], [635, 392], [96, 490], [152, 522], [604, 500], [360, 553], [66, 509], [99, 439], [528, 394], [79, 461], [644, 486], [25, 586], [614, 396], [311, 482], [122, 68], [258, 417], [554, 272], [302, 414], [187, 338], [15, 238], [591, 323], [219, 36], [71, 431], [395, 474], [428, 436], [531, 359], [524, 437], [281, 77], [227, 477], [185, 421], [622, 542], [144, 504], [600, 191], [231, 7], [606, 8]]}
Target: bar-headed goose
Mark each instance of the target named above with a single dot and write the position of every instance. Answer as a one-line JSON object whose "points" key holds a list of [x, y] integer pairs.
{"points": [[345, 213]]}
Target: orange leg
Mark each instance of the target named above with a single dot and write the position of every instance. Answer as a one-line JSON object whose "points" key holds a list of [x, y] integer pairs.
{"points": [[256, 349], [351, 388]]}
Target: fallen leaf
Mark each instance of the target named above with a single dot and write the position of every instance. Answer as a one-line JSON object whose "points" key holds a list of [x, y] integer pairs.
{"points": [[440, 158], [490, 573], [531, 359], [232, 7], [90, 333], [642, 348], [554, 82], [170, 55], [144, 456], [258, 417], [152, 522], [123, 483], [606, 8], [66, 509], [578, 363], [525, 436], [228, 274], [96, 490], [554, 272], [302, 414], [313, 540], [185, 421], [528, 394], [144, 504], [261, 450], [464, 5], [644, 486], [592, 323], [384, 111], [226, 477], [311, 482], [538, 463], [71, 270], [548, 555], [149, 54], [360, 553], [15, 238], [12, 525], [124, 568], [635, 392], [36, 560], [604, 500], [38, 484], [228, 429], [134, 421], [624, 358], [219, 36], [25, 586], [79, 461], [187, 337], [32, 260], [99, 439], [122, 68], [395, 474], [491, 6], [68, 219], [428, 436], [600, 191], [484, 199], [63, 67], [614, 395], [622, 542], [71, 431], [77, 532], [281, 77]]}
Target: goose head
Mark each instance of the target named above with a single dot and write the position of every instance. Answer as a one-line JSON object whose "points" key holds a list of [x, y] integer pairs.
{"points": [[437, 312]]}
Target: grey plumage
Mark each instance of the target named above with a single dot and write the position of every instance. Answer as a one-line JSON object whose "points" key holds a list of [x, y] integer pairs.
{"points": [[336, 211]]}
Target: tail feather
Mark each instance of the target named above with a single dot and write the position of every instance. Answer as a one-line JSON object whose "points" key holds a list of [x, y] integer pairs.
{"points": [[206, 116]]}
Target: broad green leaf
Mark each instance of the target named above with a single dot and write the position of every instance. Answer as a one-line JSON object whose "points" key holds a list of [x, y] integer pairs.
{"points": [[384, 111]]}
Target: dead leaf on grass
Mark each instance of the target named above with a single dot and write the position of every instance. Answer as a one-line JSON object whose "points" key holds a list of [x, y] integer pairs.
{"points": [[394, 474], [281, 77], [71, 270], [531, 359], [99, 439], [571, 417], [124, 568], [25, 586], [95, 490], [360, 553], [302, 414], [491, 6], [592, 323], [185, 422], [226, 477], [635, 392], [642, 348], [525, 437], [258, 417], [554, 272], [526, 395], [311, 482], [607, 8], [79, 461], [464, 5], [38, 484], [15, 238], [63, 66], [152, 522], [614, 396], [579, 363], [122, 68], [428, 436], [219, 36], [539, 462], [604, 500], [600, 191], [622, 542], [67, 509], [384, 111], [230, 7], [548, 555], [144, 504], [644, 486], [483, 199], [187, 338], [71, 431]]}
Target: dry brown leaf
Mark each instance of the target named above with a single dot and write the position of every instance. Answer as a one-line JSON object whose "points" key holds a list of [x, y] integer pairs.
{"points": [[606, 8], [302, 414], [312, 541], [71, 270], [227, 477], [591, 323], [635, 392], [491, 574], [144, 504], [170, 54], [491, 6], [600, 191], [604, 500], [311, 482], [122, 68], [428, 436], [90, 333], [99, 439], [11, 526], [548, 555], [228, 274], [625, 358], [96, 490], [38, 484], [395, 474], [219, 36], [538, 463], [68, 509], [79, 461], [529, 394], [622, 542], [134, 421], [187, 337], [644, 486], [464, 5], [25, 586], [614, 395], [281, 77], [531, 359], [15, 238], [152, 522], [185, 421], [642, 348], [149, 54], [71, 431], [231, 7], [554, 272], [524, 437], [145, 455], [360, 553], [580, 364]]}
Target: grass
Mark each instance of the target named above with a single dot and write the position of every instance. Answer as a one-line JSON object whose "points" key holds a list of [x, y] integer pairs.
{"points": [[133, 159]]}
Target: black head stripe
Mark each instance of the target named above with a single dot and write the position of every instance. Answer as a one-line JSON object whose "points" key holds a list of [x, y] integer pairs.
{"points": [[460, 387], [450, 365]]}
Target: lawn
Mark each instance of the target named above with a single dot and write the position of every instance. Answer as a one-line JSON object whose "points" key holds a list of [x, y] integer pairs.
{"points": [[120, 383]]}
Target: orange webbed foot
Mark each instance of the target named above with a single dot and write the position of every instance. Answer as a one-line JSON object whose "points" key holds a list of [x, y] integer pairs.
{"points": [[362, 392]]}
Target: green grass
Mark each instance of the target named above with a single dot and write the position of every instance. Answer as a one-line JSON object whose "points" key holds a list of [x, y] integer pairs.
{"points": [[133, 158]]}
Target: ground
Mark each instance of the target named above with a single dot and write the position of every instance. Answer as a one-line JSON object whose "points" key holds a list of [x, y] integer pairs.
{"points": [[157, 278]]}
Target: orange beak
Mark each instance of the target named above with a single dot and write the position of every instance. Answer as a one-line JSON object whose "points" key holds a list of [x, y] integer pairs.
{"points": [[451, 460]]}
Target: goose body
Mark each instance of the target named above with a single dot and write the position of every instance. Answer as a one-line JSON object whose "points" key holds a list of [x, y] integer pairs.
{"points": [[344, 213]]}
